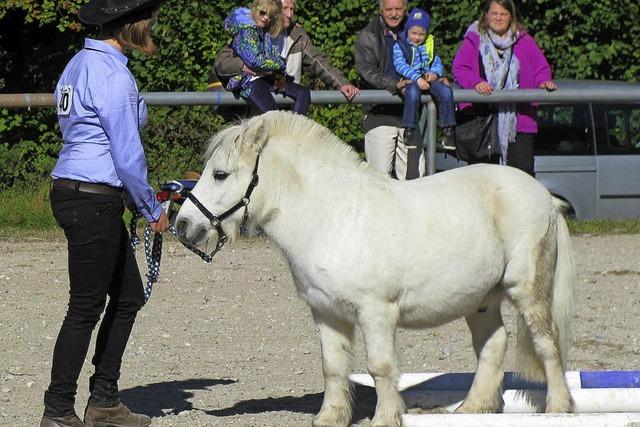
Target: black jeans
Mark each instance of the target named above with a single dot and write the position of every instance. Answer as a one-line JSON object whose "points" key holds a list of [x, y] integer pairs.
{"points": [[101, 264], [520, 153]]}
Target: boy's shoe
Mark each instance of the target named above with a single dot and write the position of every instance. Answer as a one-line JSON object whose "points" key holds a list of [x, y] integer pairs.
{"points": [[409, 137], [448, 139], [117, 416], [66, 421]]}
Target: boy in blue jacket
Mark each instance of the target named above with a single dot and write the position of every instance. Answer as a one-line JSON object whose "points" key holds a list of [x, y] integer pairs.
{"points": [[414, 58]]}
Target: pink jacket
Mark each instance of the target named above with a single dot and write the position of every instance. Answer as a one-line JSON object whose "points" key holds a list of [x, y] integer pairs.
{"points": [[534, 70]]}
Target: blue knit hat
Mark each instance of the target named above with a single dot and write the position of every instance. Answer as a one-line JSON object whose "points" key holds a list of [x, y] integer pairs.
{"points": [[418, 17]]}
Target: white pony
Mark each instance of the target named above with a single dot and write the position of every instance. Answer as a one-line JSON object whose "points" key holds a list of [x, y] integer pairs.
{"points": [[367, 250]]}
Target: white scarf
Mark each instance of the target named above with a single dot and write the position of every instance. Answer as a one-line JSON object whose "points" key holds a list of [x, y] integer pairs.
{"points": [[496, 67]]}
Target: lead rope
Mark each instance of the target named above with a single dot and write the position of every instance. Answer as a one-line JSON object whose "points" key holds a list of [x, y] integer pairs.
{"points": [[153, 251]]}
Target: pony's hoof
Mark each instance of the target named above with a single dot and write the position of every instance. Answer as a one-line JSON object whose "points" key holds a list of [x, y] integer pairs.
{"points": [[480, 408], [559, 408], [334, 418], [393, 422], [560, 403]]}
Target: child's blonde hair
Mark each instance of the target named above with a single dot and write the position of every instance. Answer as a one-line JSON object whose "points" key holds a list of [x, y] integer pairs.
{"points": [[274, 9]]}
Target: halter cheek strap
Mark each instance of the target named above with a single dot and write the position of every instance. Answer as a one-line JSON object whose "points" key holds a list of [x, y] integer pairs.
{"points": [[216, 221]]}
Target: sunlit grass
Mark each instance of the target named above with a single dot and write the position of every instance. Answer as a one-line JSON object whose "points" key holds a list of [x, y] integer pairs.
{"points": [[604, 226]]}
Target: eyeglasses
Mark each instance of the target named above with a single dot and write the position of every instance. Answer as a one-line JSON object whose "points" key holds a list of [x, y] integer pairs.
{"points": [[264, 14]]}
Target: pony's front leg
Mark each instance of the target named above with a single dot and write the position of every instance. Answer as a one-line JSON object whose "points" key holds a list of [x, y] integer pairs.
{"points": [[378, 324], [336, 337], [489, 342]]}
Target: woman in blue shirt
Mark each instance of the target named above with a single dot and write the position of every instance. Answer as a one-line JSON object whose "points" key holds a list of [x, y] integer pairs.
{"points": [[101, 162]]}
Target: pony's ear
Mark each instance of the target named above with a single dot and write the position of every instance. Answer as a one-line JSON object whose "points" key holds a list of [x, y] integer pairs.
{"points": [[256, 134]]}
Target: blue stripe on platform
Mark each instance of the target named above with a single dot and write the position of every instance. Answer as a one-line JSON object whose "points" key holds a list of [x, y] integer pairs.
{"points": [[610, 379], [589, 379], [462, 381]]}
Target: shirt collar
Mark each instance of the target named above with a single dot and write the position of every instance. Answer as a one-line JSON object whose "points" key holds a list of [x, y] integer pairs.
{"points": [[105, 47]]}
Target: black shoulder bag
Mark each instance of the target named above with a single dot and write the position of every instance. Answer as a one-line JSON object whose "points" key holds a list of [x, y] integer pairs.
{"points": [[476, 136]]}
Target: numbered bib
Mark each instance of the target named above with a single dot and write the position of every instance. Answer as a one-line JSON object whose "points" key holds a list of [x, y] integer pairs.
{"points": [[65, 101]]}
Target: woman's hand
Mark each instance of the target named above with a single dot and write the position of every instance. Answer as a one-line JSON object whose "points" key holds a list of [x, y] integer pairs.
{"points": [[161, 225], [549, 85], [483, 88]]}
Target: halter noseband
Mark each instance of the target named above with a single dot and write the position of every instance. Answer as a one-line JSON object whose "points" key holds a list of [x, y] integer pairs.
{"points": [[216, 221]]}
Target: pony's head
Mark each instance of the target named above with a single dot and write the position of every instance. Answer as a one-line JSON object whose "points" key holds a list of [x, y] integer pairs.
{"points": [[292, 149], [229, 166]]}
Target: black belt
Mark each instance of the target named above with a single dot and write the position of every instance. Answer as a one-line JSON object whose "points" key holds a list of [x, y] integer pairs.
{"points": [[87, 187]]}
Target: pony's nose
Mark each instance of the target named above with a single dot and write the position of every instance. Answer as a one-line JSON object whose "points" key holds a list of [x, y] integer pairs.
{"points": [[182, 225], [188, 232]]}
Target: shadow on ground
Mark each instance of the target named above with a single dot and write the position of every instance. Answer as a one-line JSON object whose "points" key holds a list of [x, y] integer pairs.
{"points": [[173, 397], [364, 403]]}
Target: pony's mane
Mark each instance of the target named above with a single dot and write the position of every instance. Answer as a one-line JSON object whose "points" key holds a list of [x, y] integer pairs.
{"points": [[308, 139]]}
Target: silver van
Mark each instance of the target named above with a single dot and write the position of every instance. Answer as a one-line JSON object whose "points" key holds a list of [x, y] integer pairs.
{"points": [[587, 154]]}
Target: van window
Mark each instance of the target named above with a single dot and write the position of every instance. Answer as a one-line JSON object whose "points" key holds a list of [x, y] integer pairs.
{"points": [[634, 127], [618, 129], [564, 130]]}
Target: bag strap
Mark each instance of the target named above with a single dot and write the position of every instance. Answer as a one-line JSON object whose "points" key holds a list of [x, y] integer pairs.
{"points": [[485, 109]]}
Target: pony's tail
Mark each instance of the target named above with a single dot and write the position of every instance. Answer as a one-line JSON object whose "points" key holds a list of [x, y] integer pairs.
{"points": [[563, 290], [528, 363]]}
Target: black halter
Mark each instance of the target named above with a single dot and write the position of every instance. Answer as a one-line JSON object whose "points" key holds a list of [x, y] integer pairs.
{"points": [[216, 221]]}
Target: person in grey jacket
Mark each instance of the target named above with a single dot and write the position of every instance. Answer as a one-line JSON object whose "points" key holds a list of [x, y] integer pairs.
{"points": [[384, 145], [300, 53]]}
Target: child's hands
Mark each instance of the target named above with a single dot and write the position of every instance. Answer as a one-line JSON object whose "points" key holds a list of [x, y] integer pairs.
{"points": [[430, 77], [423, 83], [279, 82]]}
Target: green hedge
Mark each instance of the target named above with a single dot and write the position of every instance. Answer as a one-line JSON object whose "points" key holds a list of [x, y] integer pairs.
{"points": [[582, 39]]}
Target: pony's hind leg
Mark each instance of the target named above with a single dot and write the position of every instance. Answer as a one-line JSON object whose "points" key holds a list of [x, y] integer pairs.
{"points": [[336, 338], [529, 281], [489, 342], [378, 323], [536, 317]]}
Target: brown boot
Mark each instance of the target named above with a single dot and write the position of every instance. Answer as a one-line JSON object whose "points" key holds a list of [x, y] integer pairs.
{"points": [[66, 421], [117, 416]]}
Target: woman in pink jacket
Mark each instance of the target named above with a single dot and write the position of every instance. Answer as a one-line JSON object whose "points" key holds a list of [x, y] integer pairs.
{"points": [[494, 45]]}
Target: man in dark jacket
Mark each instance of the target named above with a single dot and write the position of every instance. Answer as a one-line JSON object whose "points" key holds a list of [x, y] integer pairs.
{"points": [[300, 53], [385, 148]]}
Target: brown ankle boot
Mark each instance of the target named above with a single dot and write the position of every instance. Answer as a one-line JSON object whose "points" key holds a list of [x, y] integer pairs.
{"points": [[117, 416], [66, 421]]}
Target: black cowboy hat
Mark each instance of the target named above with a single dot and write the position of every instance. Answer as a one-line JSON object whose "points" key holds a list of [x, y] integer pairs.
{"points": [[97, 12]]}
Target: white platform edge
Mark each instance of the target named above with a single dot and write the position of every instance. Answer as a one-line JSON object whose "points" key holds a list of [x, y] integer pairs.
{"points": [[587, 401], [414, 378], [522, 420]]}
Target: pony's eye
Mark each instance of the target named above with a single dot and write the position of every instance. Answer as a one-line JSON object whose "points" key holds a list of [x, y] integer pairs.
{"points": [[220, 175]]}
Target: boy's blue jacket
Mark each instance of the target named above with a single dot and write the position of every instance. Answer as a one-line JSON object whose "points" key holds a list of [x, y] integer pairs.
{"points": [[412, 62]]}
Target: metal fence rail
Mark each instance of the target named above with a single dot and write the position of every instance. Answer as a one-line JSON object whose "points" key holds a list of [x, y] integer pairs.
{"points": [[599, 93]]}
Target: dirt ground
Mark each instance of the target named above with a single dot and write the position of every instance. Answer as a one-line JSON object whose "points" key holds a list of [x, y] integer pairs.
{"points": [[229, 343]]}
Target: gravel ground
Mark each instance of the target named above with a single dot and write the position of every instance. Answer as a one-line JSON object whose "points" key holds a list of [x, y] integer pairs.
{"points": [[231, 344]]}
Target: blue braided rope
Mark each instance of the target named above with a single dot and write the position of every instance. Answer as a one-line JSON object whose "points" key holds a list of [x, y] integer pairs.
{"points": [[153, 253]]}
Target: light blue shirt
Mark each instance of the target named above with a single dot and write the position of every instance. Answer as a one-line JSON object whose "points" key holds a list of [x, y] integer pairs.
{"points": [[100, 112]]}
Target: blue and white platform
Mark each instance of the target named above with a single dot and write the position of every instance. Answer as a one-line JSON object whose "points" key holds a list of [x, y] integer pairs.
{"points": [[602, 398]]}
